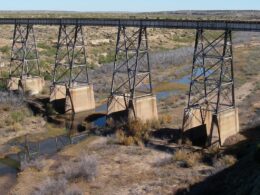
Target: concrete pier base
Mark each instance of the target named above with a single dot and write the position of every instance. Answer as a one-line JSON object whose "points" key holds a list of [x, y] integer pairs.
{"points": [[216, 128], [58, 92], [31, 85], [145, 107], [75, 99]]}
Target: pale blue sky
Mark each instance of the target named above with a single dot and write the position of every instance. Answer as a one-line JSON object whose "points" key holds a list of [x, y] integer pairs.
{"points": [[128, 5]]}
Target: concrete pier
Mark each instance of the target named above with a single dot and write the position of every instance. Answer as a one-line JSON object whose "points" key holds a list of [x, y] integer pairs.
{"points": [[31, 85], [58, 92], [145, 107], [76, 99], [216, 127]]}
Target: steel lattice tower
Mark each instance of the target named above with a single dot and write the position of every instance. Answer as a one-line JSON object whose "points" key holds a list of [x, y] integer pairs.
{"points": [[70, 67], [131, 74], [24, 58], [212, 78]]}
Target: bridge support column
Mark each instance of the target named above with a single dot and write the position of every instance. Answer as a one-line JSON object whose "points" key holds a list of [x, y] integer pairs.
{"points": [[131, 89], [211, 109], [24, 71], [71, 91]]}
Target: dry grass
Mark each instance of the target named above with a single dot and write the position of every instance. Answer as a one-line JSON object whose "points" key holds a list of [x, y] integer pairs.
{"points": [[124, 139], [16, 116], [74, 191], [135, 132], [17, 127], [36, 164], [166, 119], [190, 159], [52, 187], [85, 167], [167, 86], [228, 160], [171, 100]]}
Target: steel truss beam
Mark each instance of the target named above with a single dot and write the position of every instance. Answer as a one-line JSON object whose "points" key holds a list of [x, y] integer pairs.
{"points": [[70, 67], [212, 78], [24, 56], [131, 74]]}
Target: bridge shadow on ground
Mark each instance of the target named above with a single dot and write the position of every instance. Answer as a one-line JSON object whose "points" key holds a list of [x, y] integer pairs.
{"points": [[165, 139], [241, 178], [169, 140]]}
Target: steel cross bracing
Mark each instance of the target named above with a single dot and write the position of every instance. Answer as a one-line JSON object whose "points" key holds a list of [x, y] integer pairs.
{"points": [[24, 57], [212, 79], [131, 74], [70, 67]]}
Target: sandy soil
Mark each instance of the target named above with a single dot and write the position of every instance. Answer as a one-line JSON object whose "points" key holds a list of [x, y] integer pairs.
{"points": [[246, 89]]}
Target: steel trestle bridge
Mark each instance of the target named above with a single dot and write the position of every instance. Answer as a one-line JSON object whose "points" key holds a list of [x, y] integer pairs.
{"points": [[149, 23], [212, 75]]}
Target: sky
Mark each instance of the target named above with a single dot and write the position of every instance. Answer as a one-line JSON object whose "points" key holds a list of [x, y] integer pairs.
{"points": [[129, 5]]}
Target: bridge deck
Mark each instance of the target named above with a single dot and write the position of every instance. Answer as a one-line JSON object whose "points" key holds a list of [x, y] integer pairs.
{"points": [[149, 23]]}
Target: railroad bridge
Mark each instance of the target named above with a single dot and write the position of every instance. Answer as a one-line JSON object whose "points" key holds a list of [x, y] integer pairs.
{"points": [[211, 100]]}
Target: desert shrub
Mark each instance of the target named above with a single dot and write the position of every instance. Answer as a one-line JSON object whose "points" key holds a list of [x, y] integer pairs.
{"points": [[19, 116], [189, 159], [229, 160], [120, 135], [129, 141], [168, 86], [74, 191], [165, 119], [9, 121], [17, 127], [154, 124], [106, 59], [36, 164], [163, 162], [171, 100], [135, 127], [6, 108], [85, 167], [5, 49], [2, 124], [52, 187], [224, 161], [50, 109], [10, 98], [135, 132]]}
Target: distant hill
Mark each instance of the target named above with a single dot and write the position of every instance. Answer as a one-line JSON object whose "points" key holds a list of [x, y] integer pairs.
{"points": [[182, 14]]}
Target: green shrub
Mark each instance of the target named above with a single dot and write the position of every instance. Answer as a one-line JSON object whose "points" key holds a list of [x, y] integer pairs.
{"points": [[5, 49], [106, 59], [17, 116], [50, 109]]}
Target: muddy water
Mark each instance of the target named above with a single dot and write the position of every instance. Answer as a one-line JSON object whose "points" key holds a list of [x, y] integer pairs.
{"points": [[8, 172]]}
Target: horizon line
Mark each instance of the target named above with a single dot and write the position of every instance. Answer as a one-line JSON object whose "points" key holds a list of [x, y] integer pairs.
{"points": [[191, 10]]}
